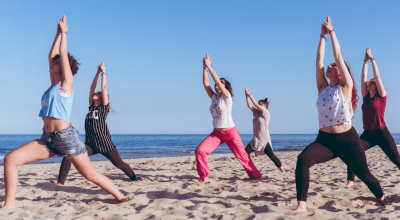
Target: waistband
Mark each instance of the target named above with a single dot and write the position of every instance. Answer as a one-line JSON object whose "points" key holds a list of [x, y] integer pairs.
{"points": [[68, 128], [226, 131], [351, 130]]}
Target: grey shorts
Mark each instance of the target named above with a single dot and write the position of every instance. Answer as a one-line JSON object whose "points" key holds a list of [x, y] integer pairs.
{"points": [[65, 142]]}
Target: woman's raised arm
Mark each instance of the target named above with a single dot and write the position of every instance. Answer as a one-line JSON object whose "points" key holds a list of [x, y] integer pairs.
{"points": [[93, 87], [206, 82], [377, 76], [207, 62], [253, 100], [55, 49], [345, 79], [104, 94], [322, 83], [364, 74], [67, 79]]}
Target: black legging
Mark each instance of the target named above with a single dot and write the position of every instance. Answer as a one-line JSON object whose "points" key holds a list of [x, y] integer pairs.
{"points": [[113, 156], [384, 140], [347, 146], [269, 152]]}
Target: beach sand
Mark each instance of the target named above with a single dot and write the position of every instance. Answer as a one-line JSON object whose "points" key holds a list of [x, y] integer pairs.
{"points": [[172, 191]]}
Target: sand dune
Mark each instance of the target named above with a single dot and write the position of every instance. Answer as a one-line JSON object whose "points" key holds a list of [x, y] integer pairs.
{"points": [[170, 191]]}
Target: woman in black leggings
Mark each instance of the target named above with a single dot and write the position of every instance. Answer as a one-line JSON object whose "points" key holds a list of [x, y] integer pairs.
{"points": [[337, 137], [373, 108], [261, 141], [98, 138]]}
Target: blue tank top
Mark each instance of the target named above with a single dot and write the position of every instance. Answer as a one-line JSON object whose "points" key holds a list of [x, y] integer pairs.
{"points": [[56, 105]]}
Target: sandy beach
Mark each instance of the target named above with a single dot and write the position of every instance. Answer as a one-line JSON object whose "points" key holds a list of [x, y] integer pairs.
{"points": [[171, 191]]}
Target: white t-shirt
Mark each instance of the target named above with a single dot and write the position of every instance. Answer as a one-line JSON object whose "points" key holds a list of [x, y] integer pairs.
{"points": [[332, 108], [221, 111]]}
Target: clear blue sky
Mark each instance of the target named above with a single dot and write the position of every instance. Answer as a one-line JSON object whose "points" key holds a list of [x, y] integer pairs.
{"points": [[154, 50]]}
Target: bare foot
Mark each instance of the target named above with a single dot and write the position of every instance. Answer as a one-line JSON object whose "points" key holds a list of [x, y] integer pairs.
{"points": [[59, 184], [203, 180], [4, 206], [125, 199], [349, 183], [281, 169], [387, 199], [301, 206]]}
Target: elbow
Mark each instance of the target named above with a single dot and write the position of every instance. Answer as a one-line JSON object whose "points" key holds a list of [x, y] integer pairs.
{"points": [[338, 56]]}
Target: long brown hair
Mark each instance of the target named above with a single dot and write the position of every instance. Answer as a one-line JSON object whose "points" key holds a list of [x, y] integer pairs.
{"points": [[354, 95], [228, 86]]}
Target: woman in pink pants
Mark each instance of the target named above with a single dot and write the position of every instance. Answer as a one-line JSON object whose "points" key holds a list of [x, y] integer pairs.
{"points": [[224, 128]]}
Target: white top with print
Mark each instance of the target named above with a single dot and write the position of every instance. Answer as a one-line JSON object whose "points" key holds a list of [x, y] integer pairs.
{"points": [[221, 111], [332, 107]]}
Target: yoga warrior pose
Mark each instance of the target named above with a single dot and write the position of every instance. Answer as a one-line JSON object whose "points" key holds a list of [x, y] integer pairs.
{"points": [[261, 141], [224, 128], [336, 138], [373, 108], [59, 136], [98, 138]]}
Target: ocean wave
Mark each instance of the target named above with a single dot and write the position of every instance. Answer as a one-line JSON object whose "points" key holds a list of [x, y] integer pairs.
{"points": [[186, 152]]}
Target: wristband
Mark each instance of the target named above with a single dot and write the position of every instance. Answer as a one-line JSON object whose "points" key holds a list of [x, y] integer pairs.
{"points": [[331, 31], [63, 32], [323, 36]]}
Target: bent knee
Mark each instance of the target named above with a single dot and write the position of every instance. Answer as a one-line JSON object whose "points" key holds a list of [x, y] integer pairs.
{"points": [[11, 160]]}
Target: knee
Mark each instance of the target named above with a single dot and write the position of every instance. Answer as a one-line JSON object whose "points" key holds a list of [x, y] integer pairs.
{"points": [[199, 151], [10, 160], [302, 160]]}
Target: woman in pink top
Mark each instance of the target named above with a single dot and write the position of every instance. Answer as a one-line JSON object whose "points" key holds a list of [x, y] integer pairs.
{"points": [[373, 108], [224, 128]]}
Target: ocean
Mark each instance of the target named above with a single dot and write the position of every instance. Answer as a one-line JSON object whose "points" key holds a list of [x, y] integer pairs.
{"points": [[172, 145]]}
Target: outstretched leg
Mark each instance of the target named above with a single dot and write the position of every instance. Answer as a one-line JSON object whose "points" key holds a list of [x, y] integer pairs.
{"points": [[82, 163], [312, 154], [205, 148], [29, 152], [387, 144], [350, 174], [232, 139], [116, 160], [270, 153], [66, 166]]}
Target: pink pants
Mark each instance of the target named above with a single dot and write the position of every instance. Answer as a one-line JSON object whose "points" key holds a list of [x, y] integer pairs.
{"points": [[232, 139]]}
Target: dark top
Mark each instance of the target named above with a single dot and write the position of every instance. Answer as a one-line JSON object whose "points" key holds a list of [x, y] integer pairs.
{"points": [[373, 112], [97, 134]]}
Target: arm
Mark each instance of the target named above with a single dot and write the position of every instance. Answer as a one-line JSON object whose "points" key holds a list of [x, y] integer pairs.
{"points": [[255, 103], [207, 62], [93, 87], [67, 79], [322, 83], [345, 78], [377, 76], [247, 93], [206, 83], [54, 50], [364, 74], [104, 93]]}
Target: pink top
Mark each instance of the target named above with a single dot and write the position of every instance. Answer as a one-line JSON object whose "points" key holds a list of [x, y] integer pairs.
{"points": [[373, 112]]}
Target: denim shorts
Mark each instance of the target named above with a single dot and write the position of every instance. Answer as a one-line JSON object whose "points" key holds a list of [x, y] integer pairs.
{"points": [[65, 142]]}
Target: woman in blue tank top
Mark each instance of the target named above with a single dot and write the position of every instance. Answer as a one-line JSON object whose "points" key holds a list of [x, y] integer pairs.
{"points": [[59, 136]]}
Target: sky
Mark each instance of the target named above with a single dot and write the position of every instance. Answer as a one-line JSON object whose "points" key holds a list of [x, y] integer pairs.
{"points": [[153, 52]]}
